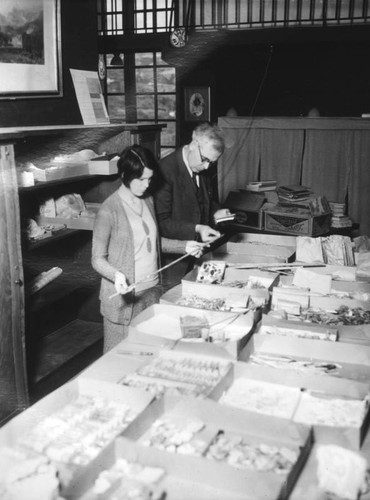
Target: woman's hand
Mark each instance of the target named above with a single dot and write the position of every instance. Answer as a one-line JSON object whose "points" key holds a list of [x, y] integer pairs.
{"points": [[120, 283], [194, 248]]}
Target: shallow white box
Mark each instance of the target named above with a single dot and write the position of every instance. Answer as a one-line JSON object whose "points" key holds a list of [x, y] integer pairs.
{"points": [[324, 386], [161, 322], [235, 298], [21, 425], [256, 252], [267, 239], [179, 483], [251, 484], [246, 278], [81, 222], [271, 325], [103, 165], [351, 361]]}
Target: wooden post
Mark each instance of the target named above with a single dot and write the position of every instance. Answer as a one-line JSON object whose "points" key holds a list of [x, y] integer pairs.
{"points": [[13, 374]]}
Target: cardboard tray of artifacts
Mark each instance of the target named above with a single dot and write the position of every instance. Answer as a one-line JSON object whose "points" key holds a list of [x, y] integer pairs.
{"points": [[316, 323], [181, 372], [215, 298], [127, 470], [272, 325], [350, 317], [263, 244], [343, 277], [59, 171], [309, 299], [338, 409], [244, 253], [288, 242], [134, 365], [336, 359], [232, 277], [217, 445], [228, 332], [326, 281], [335, 302], [83, 222], [72, 425]]}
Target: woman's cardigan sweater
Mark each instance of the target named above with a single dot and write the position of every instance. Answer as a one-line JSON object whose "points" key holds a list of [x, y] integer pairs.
{"points": [[113, 250]]}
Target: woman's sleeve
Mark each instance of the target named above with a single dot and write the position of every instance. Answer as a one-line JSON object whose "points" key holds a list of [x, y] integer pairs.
{"points": [[173, 246], [100, 244]]}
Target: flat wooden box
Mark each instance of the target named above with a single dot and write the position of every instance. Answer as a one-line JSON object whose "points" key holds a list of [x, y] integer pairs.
{"points": [[249, 484], [165, 321], [296, 224], [327, 386], [26, 421], [353, 360]]}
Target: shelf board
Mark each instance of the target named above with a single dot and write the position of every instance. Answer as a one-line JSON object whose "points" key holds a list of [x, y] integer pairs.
{"points": [[54, 182], [8, 133], [58, 235]]}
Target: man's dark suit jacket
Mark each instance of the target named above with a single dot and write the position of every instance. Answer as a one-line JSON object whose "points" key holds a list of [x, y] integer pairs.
{"points": [[177, 207]]}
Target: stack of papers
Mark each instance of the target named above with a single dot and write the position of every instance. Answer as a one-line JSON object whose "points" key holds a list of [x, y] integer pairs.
{"points": [[261, 186]]}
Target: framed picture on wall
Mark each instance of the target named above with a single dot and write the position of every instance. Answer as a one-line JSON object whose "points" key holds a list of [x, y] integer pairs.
{"points": [[197, 104], [30, 49]]}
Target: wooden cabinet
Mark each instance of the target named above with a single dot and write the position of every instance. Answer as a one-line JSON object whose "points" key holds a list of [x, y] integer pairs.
{"points": [[59, 325]]}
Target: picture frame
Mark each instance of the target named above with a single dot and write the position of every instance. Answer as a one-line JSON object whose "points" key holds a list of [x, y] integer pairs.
{"points": [[197, 104], [30, 49]]}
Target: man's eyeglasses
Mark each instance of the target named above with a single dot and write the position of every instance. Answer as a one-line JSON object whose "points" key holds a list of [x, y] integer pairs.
{"points": [[204, 159]]}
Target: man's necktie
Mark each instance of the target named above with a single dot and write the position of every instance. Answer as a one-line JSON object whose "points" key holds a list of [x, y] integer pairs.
{"points": [[194, 177]]}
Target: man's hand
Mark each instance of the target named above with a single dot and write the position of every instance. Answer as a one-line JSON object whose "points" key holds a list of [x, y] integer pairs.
{"points": [[194, 248], [120, 283], [206, 233]]}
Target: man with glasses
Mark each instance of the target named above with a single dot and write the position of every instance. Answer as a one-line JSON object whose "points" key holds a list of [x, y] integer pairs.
{"points": [[184, 205]]}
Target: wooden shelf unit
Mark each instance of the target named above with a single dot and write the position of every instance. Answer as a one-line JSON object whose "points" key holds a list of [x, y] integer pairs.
{"points": [[63, 316]]}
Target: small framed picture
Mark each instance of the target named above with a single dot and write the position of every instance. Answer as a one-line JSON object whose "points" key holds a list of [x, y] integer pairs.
{"points": [[30, 49], [197, 104]]}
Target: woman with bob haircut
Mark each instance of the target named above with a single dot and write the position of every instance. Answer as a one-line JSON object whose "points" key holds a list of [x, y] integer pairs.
{"points": [[126, 247]]}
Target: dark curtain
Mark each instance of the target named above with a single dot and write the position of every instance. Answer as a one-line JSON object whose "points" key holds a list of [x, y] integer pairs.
{"points": [[359, 182], [329, 155], [281, 155], [327, 162]]}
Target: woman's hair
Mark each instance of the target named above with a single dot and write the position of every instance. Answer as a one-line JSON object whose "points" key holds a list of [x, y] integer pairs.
{"points": [[132, 162]]}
